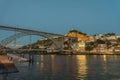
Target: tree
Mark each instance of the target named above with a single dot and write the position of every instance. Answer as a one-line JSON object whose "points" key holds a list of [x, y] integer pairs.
{"points": [[89, 46], [108, 43], [99, 41], [110, 34], [118, 39]]}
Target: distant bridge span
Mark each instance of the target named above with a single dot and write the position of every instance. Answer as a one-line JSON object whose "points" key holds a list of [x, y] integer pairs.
{"points": [[26, 32]]}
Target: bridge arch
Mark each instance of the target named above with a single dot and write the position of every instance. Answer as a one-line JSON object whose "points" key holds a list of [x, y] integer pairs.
{"points": [[19, 35], [26, 32]]}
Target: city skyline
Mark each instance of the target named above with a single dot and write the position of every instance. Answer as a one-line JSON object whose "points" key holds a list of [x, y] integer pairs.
{"points": [[89, 16]]}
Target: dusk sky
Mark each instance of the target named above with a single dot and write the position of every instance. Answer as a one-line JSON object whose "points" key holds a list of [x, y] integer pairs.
{"points": [[59, 16]]}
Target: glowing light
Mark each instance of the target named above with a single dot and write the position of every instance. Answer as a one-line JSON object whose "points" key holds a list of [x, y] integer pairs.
{"points": [[82, 67], [104, 58]]}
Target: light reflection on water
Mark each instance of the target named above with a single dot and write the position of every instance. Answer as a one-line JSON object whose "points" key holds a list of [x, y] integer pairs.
{"points": [[81, 66], [74, 67]]}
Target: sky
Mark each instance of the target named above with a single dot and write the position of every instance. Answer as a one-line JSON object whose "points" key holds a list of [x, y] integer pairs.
{"points": [[60, 16]]}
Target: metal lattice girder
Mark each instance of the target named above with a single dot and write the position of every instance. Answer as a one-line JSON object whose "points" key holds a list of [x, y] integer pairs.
{"points": [[25, 32], [12, 38], [28, 31], [19, 35]]}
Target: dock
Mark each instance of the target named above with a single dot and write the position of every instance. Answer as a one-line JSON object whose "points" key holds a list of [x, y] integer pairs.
{"points": [[15, 57]]}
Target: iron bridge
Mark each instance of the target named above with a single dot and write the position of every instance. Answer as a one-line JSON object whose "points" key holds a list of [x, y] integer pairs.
{"points": [[26, 32]]}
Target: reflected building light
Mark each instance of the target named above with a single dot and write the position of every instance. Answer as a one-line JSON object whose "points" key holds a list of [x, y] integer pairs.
{"points": [[104, 58], [95, 56], [37, 63], [82, 65], [52, 57], [105, 65], [41, 65], [41, 61], [53, 65], [41, 58], [52, 61]]}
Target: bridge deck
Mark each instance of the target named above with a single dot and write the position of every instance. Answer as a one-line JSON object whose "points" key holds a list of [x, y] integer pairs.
{"points": [[26, 30]]}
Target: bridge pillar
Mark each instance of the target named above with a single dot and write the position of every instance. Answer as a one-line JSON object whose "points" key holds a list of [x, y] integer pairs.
{"points": [[31, 58]]}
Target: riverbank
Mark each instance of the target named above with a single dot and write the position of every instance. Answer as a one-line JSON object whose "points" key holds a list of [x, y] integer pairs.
{"points": [[7, 66], [69, 53]]}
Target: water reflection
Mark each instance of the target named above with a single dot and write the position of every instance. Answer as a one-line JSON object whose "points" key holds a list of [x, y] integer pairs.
{"points": [[41, 61], [104, 58], [102, 67], [81, 66], [74, 67]]}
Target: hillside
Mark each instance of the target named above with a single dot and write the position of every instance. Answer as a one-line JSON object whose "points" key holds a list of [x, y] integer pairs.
{"points": [[78, 34]]}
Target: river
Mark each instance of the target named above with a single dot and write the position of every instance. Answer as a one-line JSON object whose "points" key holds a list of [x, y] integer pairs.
{"points": [[69, 67]]}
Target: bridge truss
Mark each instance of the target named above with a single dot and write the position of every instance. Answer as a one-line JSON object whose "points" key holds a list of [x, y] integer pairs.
{"points": [[26, 32]]}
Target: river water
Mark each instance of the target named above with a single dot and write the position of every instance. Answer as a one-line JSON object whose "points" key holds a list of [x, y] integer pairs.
{"points": [[69, 67]]}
